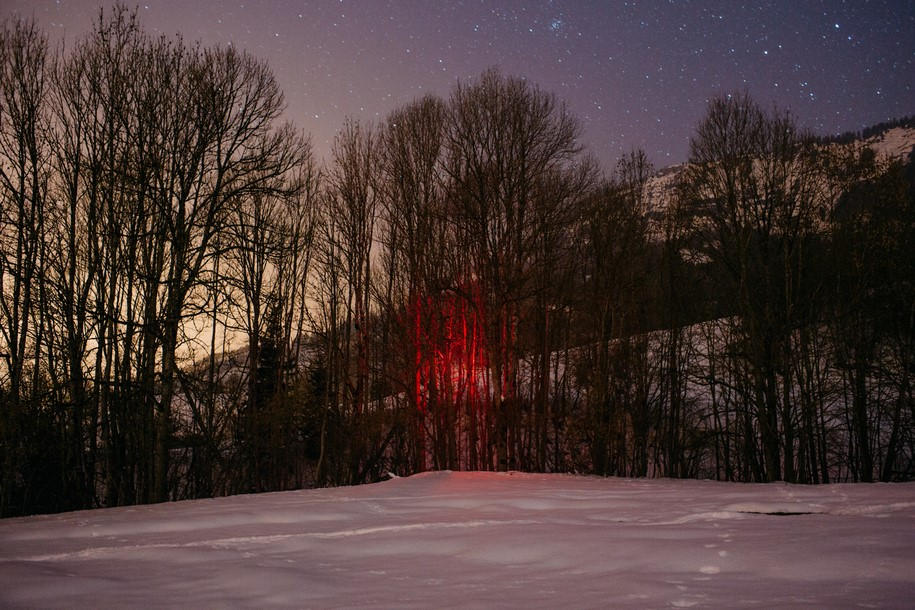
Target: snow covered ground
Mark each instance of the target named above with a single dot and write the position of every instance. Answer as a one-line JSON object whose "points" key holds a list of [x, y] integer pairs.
{"points": [[479, 540]]}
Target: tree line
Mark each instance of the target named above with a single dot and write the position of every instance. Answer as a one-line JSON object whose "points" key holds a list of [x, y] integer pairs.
{"points": [[846, 137], [193, 306]]}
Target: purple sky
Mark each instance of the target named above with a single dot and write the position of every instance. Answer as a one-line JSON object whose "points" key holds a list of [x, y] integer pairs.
{"points": [[637, 74]]}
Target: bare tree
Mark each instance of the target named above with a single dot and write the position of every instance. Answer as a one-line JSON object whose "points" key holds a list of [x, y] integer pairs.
{"points": [[416, 260], [24, 175], [267, 263], [505, 138], [221, 146], [349, 232], [752, 172], [613, 249]]}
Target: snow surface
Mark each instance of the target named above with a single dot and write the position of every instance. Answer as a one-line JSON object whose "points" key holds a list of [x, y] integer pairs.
{"points": [[479, 540], [895, 143]]}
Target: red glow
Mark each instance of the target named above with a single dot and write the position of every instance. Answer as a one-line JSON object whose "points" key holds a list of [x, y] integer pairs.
{"points": [[451, 384], [450, 362]]}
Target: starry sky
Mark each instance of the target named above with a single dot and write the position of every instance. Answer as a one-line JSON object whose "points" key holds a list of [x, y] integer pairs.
{"points": [[638, 74]]}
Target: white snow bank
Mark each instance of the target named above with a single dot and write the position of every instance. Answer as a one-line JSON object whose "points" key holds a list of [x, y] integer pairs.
{"points": [[479, 540]]}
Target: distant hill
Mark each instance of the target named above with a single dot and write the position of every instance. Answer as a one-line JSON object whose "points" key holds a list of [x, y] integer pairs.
{"points": [[874, 131], [897, 141], [894, 139]]}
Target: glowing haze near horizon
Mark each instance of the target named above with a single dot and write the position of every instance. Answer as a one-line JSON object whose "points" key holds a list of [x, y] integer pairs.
{"points": [[637, 74]]}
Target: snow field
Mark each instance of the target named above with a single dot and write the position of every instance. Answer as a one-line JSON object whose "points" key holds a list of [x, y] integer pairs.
{"points": [[452, 539]]}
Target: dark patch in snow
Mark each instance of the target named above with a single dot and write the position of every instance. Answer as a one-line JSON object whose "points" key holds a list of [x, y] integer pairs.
{"points": [[778, 513]]}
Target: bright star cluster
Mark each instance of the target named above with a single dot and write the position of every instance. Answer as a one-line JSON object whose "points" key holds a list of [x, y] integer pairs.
{"points": [[637, 73]]}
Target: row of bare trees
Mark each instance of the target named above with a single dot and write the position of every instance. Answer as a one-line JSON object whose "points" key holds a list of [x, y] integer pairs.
{"points": [[135, 171], [192, 307], [814, 246], [492, 302]]}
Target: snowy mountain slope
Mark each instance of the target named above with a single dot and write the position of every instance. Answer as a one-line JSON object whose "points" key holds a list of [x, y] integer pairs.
{"points": [[894, 143], [479, 540]]}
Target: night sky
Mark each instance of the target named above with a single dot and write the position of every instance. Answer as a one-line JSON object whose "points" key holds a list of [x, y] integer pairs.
{"points": [[637, 74]]}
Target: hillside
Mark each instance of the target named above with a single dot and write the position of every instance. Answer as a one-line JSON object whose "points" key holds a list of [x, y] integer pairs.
{"points": [[896, 142], [893, 143], [479, 540]]}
